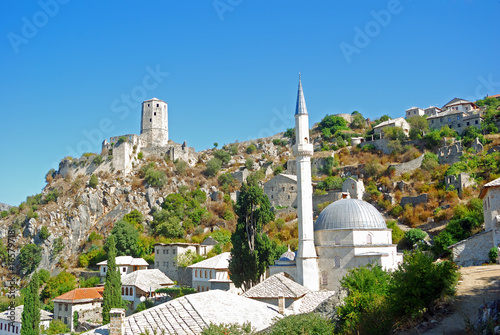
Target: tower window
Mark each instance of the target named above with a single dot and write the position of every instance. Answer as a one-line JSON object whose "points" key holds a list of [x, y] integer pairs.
{"points": [[336, 262], [157, 105], [324, 278], [148, 105], [155, 113], [149, 120]]}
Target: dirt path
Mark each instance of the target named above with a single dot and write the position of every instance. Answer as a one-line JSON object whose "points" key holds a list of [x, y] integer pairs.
{"points": [[479, 284]]}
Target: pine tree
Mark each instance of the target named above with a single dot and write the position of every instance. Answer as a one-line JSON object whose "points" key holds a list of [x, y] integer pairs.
{"points": [[252, 250], [112, 288], [31, 311]]}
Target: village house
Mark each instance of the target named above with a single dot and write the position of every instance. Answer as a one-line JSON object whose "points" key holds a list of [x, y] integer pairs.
{"points": [[10, 326], [475, 249], [79, 300], [142, 284], [414, 111], [458, 114], [166, 256], [399, 122], [125, 264], [282, 190], [212, 274]]}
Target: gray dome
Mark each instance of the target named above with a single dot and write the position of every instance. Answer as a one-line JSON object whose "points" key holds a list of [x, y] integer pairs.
{"points": [[350, 214], [287, 256]]}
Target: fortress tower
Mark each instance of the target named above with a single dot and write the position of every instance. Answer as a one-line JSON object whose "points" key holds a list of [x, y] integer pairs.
{"points": [[306, 260], [154, 122]]}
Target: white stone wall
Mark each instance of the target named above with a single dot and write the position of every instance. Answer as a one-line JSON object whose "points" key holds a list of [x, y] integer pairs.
{"points": [[474, 250]]}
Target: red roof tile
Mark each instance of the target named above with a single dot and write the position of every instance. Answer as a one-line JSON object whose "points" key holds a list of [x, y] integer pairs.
{"points": [[82, 294]]}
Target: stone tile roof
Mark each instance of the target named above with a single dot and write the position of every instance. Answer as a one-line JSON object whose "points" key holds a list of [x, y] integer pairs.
{"points": [[309, 302], [389, 122], [44, 315], [151, 279], [209, 241], [275, 286], [81, 295], [218, 262], [493, 183], [191, 313], [126, 260]]}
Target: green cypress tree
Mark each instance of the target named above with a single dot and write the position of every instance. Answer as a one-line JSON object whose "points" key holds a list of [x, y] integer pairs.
{"points": [[31, 311], [112, 287]]}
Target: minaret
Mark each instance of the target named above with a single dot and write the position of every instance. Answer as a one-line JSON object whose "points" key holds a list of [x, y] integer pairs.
{"points": [[307, 265]]}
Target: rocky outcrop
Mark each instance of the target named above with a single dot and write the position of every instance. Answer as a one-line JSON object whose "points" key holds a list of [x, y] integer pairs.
{"points": [[4, 207]]}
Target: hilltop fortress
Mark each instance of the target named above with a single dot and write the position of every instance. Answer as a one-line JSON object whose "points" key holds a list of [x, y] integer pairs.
{"points": [[153, 140]]}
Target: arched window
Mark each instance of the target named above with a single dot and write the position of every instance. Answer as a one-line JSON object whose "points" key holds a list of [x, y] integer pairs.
{"points": [[336, 261], [123, 291], [369, 239], [196, 273], [305, 140], [206, 274], [324, 278]]}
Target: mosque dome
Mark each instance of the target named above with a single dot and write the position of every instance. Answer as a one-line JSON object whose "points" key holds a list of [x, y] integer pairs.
{"points": [[349, 214]]}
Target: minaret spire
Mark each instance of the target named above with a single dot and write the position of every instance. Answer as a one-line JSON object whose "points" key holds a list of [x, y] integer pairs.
{"points": [[307, 265]]}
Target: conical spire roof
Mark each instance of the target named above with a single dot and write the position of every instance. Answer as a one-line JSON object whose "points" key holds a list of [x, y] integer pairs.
{"points": [[301, 102]]}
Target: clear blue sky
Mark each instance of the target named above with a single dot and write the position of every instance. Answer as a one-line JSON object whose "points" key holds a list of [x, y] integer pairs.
{"points": [[74, 72]]}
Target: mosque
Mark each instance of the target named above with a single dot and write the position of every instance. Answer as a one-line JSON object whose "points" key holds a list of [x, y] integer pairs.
{"points": [[347, 234]]}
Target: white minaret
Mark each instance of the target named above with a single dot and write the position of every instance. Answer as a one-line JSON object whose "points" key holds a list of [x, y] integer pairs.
{"points": [[307, 265]]}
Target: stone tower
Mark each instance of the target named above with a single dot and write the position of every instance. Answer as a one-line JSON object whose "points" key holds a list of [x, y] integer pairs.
{"points": [[307, 263], [154, 122]]}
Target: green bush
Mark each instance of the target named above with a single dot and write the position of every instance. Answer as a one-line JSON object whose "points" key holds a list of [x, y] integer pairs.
{"points": [[223, 156], [213, 167], [98, 160], [43, 276], [52, 196], [225, 179], [155, 178], [397, 233], [57, 327], [180, 166], [140, 155], [176, 292], [58, 245], [493, 255], [310, 323], [60, 284], [396, 211], [44, 233], [4, 214], [413, 236], [249, 163], [94, 236], [251, 149], [93, 181]]}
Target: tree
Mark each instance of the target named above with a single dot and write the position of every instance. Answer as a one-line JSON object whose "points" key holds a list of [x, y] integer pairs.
{"points": [[60, 284], [223, 156], [29, 257], [358, 121], [418, 283], [31, 311], [413, 236], [252, 250], [126, 236], [155, 178], [112, 287], [213, 166], [419, 127], [57, 327]]}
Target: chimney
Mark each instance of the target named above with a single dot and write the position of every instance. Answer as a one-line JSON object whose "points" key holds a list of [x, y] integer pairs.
{"points": [[116, 324], [281, 305]]}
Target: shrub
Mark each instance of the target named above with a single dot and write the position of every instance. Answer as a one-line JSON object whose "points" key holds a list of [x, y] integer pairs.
{"points": [[52, 196], [140, 155], [223, 156], [94, 236], [29, 258], [4, 214], [213, 167], [98, 160], [57, 327], [155, 178], [90, 282], [397, 233], [225, 179], [58, 245], [493, 255], [310, 323], [278, 170], [121, 140], [413, 236], [144, 305], [249, 163], [83, 261], [251, 149], [93, 181], [180, 166], [31, 214], [44, 233], [228, 329], [43, 276]]}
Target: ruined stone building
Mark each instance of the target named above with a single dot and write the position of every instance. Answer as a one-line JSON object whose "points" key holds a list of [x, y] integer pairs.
{"points": [[153, 140]]}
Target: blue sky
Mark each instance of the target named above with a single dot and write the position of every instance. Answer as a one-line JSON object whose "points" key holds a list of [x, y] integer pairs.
{"points": [[75, 72]]}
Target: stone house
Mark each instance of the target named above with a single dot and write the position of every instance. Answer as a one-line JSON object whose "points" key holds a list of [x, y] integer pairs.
{"points": [[125, 264], [166, 258], [78, 300], [399, 122], [276, 286], [212, 274], [461, 105], [241, 175], [459, 182], [356, 188], [450, 154], [455, 119], [282, 190], [9, 326], [414, 111], [143, 284], [432, 110], [474, 250]]}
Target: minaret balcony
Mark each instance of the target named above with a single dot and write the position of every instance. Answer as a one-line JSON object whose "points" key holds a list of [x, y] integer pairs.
{"points": [[303, 149]]}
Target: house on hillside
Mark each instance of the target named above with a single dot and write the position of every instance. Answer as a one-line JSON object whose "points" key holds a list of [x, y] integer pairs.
{"points": [[282, 190], [82, 300], [414, 111], [461, 105], [142, 284], [9, 326], [166, 255], [399, 122], [125, 264], [212, 274], [475, 249]]}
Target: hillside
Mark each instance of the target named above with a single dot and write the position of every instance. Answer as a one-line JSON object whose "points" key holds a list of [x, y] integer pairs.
{"points": [[185, 201]]}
